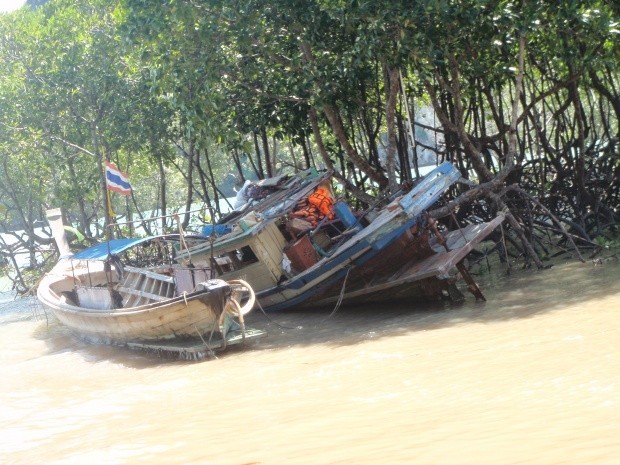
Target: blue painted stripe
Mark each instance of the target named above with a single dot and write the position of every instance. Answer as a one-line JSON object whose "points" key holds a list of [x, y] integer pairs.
{"points": [[118, 181], [337, 276]]}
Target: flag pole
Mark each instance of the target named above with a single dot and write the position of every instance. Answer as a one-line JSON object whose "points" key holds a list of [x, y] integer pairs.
{"points": [[106, 197], [117, 181], [109, 214]]}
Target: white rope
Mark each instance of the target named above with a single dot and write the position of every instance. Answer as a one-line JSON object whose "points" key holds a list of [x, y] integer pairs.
{"points": [[341, 296]]}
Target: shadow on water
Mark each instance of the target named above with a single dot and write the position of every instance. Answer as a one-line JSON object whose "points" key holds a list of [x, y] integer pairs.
{"points": [[59, 339], [522, 294]]}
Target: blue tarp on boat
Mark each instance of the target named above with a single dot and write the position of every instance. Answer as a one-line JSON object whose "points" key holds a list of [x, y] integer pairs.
{"points": [[113, 247]]}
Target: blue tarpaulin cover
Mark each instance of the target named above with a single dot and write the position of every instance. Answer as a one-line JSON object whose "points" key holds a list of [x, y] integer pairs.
{"points": [[220, 229], [101, 251]]}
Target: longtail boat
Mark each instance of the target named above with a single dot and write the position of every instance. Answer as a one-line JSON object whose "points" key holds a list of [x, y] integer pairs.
{"points": [[100, 297]]}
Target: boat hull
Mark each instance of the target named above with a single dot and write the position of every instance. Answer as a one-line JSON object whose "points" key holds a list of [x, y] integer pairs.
{"points": [[198, 314], [409, 267], [190, 317]]}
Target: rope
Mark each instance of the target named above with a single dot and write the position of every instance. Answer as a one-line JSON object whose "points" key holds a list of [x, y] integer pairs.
{"points": [[236, 311], [333, 312], [271, 320], [209, 350], [234, 308], [341, 296]]}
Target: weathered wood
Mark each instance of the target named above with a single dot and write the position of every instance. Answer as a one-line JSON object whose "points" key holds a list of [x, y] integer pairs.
{"points": [[156, 314], [420, 273], [147, 295]]}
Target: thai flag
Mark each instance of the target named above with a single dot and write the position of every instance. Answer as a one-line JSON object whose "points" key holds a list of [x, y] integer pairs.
{"points": [[116, 180]]}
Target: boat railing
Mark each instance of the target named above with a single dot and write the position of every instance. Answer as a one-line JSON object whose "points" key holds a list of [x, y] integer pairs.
{"points": [[140, 287]]}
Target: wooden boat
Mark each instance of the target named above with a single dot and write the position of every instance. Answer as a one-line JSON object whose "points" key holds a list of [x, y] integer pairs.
{"points": [[167, 308], [339, 256]]}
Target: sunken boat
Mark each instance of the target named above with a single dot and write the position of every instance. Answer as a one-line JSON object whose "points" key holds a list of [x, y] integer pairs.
{"points": [[298, 245]]}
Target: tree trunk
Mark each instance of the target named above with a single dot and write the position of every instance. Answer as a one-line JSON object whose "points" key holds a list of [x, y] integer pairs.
{"points": [[260, 173], [109, 233], [392, 86], [84, 223], [457, 127], [336, 124], [266, 154], [239, 168], [335, 121], [318, 139], [162, 191], [190, 182]]}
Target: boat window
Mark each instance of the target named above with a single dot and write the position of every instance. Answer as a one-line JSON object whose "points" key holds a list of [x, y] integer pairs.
{"points": [[234, 260], [248, 255]]}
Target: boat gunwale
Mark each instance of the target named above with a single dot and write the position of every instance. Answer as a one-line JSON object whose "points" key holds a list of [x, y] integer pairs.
{"points": [[48, 295], [69, 308]]}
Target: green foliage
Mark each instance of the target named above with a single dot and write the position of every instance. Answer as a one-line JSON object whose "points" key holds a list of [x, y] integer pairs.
{"points": [[136, 81], [72, 95]]}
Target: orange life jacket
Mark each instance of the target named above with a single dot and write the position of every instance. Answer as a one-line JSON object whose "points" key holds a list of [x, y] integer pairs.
{"points": [[321, 198]]}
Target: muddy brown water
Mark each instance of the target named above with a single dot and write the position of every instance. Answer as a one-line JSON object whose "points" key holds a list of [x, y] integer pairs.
{"points": [[532, 376]]}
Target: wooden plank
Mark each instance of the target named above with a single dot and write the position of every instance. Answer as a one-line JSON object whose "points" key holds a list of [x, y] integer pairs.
{"points": [[150, 274], [134, 280], [187, 278], [268, 246], [427, 191], [94, 298], [438, 265], [184, 280], [143, 294]]}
